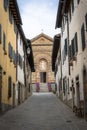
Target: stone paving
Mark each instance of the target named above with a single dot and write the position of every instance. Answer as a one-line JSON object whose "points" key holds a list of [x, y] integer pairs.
{"points": [[42, 112]]}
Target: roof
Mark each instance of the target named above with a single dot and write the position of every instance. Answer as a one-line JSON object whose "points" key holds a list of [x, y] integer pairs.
{"points": [[56, 45], [15, 11], [63, 8], [42, 35]]}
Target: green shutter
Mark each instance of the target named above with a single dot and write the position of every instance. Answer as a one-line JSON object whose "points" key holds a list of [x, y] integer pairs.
{"points": [[6, 3], [86, 21], [0, 33], [72, 48], [83, 37], [76, 42], [72, 6], [65, 46], [9, 86], [69, 52], [10, 16], [78, 1], [4, 41]]}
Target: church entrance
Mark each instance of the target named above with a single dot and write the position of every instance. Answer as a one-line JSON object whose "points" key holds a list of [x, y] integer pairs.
{"points": [[43, 77]]}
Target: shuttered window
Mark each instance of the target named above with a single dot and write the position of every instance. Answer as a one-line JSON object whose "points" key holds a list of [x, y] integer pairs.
{"points": [[70, 13], [6, 3], [20, 60], [72, 48], [76, 42], [65, 46], [83, 37], [10, 50], [0, 33], [86, 21], [72, 6], [4, 41], [78, 1], [70, 57], [10, 17], [9, 86], [15, 58]]}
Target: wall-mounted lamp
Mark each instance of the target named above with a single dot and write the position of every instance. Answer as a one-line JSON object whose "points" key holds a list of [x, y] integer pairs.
{"points": [[28, 50]]}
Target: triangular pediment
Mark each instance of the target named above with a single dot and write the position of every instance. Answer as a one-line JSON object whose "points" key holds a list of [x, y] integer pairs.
{"points": [[42, 39]]}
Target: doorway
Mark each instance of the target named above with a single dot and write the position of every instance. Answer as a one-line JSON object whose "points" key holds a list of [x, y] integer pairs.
{"points": [[13, 95], [43, 77]]}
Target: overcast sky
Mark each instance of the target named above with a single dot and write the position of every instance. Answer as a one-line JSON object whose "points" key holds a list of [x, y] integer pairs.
{"points": [[38, 16]]}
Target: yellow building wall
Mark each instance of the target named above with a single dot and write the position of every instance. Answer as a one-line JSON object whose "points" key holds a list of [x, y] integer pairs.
{"points": [[7, 66]]}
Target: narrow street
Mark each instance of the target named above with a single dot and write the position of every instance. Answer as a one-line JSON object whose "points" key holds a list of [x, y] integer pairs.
{"points": [[42, 112]]}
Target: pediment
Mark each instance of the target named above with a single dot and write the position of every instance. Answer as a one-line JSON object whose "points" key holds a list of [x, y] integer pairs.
{"points": [[42, 39]]}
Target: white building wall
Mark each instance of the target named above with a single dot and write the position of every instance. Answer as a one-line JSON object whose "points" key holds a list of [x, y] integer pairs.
{"points": [[78, 18], [20, 71]]}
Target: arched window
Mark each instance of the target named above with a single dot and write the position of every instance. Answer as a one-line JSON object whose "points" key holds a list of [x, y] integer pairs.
{"points": [[43, 65]]}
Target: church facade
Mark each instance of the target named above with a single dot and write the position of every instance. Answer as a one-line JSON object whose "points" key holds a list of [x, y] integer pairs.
{"points": [[42, 52]]}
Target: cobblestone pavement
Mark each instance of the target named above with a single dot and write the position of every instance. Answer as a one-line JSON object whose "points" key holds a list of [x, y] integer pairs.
{"points": [[42, 112]]}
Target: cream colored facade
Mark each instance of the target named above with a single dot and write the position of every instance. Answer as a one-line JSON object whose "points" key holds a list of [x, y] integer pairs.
{"points": [[42, 51], [74, 59]]}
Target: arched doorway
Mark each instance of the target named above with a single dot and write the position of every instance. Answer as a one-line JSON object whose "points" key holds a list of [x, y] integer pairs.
{"points": [[43, 70]]}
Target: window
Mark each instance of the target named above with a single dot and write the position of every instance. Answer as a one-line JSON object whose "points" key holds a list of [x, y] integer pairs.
{"points": [[70, 13], [83, 37], [72, 48], [20, 60], [6, 3], [65, 47], [4, 41], [72, 6], [70, 56], [86, 21], [64, 86], [9, 86], [10, 17], [15, 28], [78, 1], [0, 33], [10, 50], [76, 42], [15, 59]]}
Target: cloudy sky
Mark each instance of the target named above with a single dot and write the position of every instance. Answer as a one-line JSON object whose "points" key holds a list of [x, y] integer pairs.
{"points": [[38, 16]]}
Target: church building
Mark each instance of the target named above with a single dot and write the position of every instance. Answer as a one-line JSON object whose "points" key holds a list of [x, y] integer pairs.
{"points": [[42, 52]]}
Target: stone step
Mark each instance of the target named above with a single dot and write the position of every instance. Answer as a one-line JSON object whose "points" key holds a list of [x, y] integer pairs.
{"points": [[43, 87]]}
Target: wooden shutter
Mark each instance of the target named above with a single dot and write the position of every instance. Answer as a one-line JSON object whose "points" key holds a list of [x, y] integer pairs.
{"points": [[9, 86], [6, 3], [83, 37], [86, 21], [65, 46], [78, 1], [72, 6], [73, 48], [76, 42], [9, 49], [10, 16], [69, 52], [4, 41]]}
